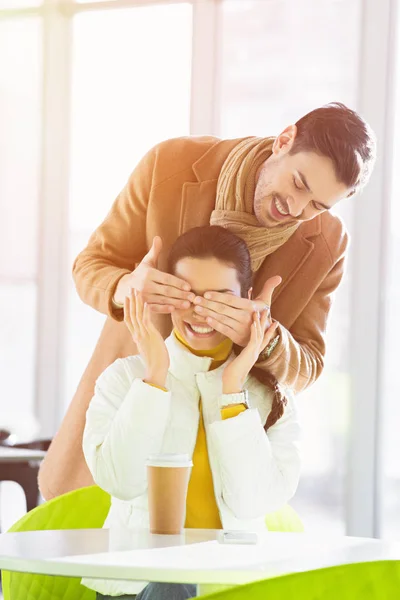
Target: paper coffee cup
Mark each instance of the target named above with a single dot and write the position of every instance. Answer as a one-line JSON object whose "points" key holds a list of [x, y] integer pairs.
{"points": [[168, 478]]}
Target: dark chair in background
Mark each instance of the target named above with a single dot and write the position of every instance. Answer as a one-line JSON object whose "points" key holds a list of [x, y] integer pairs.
{"points": [[25, 472]]}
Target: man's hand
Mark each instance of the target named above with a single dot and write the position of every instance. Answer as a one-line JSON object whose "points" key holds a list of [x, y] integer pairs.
{"points": [[163, 292], [233, 316]]}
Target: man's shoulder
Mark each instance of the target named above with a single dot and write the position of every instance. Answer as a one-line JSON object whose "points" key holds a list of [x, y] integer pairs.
{"points": [[179, 154], [195, 145]]}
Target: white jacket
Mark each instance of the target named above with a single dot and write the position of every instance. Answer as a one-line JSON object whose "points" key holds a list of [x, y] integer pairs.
{"points": [[253, 472]]}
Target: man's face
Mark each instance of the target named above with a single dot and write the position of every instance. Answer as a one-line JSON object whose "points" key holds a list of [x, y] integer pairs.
{"points": [[295, 187]]}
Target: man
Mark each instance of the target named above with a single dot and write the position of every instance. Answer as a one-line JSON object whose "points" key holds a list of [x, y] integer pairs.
{"points": [[276, 193]]}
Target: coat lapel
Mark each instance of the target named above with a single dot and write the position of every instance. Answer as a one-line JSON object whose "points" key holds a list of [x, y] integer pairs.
{"points": [[289, 258], [198, 202]]}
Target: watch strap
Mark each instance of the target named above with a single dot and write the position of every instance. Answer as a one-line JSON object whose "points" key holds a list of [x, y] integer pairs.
{"points": [[237, 398]]}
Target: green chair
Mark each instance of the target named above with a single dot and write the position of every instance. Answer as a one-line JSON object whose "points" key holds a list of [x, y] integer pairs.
{"points": [[86, 508], [360, 581], [285, 520]]}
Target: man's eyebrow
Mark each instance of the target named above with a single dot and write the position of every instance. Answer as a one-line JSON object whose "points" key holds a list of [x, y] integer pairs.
{"points": [[305, 183]]}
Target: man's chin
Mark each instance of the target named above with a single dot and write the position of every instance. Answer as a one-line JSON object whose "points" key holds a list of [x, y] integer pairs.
{"points": [[266, 221]]}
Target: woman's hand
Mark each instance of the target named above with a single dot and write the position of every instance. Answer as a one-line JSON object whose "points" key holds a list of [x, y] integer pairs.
{"points": [[148, 339], [236, 372]]}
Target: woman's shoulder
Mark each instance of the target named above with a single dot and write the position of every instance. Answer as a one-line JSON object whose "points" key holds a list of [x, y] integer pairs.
{"points": [[122, 372]]}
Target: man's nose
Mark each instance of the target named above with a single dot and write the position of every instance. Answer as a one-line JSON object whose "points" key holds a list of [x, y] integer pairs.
{"points": [[296, 205]]}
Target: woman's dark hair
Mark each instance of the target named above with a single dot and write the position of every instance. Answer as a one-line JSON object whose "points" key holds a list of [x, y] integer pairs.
{"points": [[213, 241], [340, 134]]}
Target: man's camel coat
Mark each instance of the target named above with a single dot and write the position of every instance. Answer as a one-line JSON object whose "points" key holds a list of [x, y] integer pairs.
{"points": [[172, 190]]}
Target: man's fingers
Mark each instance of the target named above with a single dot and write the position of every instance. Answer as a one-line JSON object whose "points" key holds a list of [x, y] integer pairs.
{"points": [[236, 314], [268, 289], [157, 299], [151, 258], [225, 299], [171, 291], [161, 308], [222, 328], [221, 318], [172, 281]]}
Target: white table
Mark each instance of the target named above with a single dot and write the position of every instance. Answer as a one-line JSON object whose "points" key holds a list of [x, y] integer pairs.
{"points": [[194, 557], [8, 454]]}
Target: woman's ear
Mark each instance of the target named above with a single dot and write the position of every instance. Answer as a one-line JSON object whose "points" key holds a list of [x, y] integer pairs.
{"points": [[249, 293]]}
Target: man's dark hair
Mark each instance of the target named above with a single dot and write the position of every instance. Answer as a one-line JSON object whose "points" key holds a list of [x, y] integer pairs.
{"points": [[340, 134]]}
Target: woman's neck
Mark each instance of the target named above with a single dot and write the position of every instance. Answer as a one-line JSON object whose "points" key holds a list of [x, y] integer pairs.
{"points": [[219, 353]]}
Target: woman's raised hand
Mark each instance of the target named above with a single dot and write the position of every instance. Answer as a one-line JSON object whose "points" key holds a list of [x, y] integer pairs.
{"points": [[148, 339], [261, 334]]}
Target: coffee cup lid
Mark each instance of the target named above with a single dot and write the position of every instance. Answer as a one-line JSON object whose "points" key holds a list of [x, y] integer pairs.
{"points": [[169, 460]]}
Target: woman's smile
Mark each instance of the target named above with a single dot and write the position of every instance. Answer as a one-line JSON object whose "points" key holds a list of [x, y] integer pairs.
{"points": [[199, 330], [203, 275]]}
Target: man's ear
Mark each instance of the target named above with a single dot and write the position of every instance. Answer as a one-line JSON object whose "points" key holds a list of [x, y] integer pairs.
{"points": [[249, 293], [285, 140]]}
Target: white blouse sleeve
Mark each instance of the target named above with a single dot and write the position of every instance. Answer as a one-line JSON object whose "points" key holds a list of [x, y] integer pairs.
{"points": [[125, 423], [259, 470]]}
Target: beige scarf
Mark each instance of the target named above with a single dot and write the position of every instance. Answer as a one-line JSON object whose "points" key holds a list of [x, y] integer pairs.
{"points": [[235, 199]]}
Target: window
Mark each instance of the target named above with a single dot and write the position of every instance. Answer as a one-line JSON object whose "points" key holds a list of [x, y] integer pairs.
{"points": [[124, 75], [20, 124], [389, 353], [127, 95], [270, 75]]}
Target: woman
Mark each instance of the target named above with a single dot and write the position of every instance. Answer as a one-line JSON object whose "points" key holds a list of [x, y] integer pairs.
{"points": [[193, 394]]}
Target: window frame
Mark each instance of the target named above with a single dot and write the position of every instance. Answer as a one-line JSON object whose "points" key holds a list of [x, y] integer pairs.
{"points": [[379, 28]]}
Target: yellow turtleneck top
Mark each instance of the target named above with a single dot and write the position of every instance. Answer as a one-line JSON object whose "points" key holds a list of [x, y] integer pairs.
{"points": [[201, 506]]}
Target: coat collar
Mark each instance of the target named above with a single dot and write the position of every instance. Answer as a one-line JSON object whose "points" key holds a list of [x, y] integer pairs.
{"points": [[208, 166], [184, 365]]}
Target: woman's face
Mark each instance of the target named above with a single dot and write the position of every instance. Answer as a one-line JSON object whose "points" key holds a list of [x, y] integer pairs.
{"points": [[203, 275]]}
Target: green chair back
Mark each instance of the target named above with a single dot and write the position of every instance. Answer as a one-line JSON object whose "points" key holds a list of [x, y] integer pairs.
{"points": [[285, 520], [85, 508], [360, 581]]}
